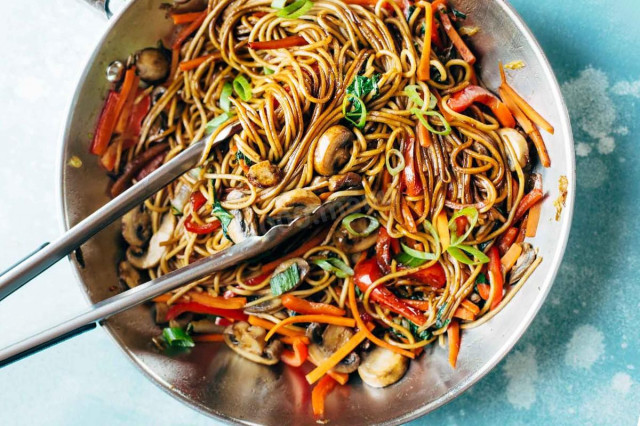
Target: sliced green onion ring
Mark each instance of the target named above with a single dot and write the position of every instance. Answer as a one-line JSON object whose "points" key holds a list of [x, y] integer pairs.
{"points": [[407, 260], [225, 102], [216, 122], [268, 71], [278, 4], [242, 87], [421, 116], [373, 224], [458, 253], [428, 226], [412, 92], [295, 9], [335, 265], [472, 215], [418, 254], [360, 115], [399, 167]]}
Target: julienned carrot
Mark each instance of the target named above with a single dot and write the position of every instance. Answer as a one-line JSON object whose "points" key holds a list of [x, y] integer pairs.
{"points": [[470, 306], [298, 356], [442, 226], [523, 230], [302, 306], [455, 38], [527, 202], [326, 365], [484, 290], [423, 305], [208, 338], [283, 43], [464, 314], [288, 340], [184, 18], [196, 62], [495, 276], [127, 108], [313, 242], [325, 195], [507, 239], [453, 333], [218, 302], [424, 137], [285, 331], [424, 66], [409, 221], [436, 4], [528, 109], [323, 319], [510, 257], [353, 305], [319, 394], [190, 29], [533, 218]]}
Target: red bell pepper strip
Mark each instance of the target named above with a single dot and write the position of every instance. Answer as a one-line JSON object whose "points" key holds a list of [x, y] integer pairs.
{"points": [[298, 356], [433, 276], [464, 98], [386, 247], [461, 225], [198, 200], [319, 394], [527, 202], [127, 108], [197, 308], [134, 122], [257, 279], [283, 43], [495, 267], [305, 307], [366, 273], [507, 239], [134, 167], [410, 177], [187, 31]]}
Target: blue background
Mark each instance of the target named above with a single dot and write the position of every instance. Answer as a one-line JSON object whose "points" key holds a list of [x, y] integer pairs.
{"points": [[578, 363]]}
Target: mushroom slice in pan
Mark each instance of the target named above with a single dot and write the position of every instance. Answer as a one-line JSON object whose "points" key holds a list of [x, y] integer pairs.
{"points": [[264, 174], [350, 243], [248, 341], [525, 260], [152, 64], [184, 6], [382, 367], [303, 270], [161, 313], [267, 307], [519, 145], [295, 203], [206, 326], [333, 338], [136, 227], [149, 257], [345, 181], [244, 223], [333, 150], [128, 274]]}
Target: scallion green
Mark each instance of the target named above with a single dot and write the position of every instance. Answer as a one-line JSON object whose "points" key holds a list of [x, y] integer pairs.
{"points": [[372, 226], [177, 337], [225, 102], [285, 281], [242, 87], [401, 164], [421, 116], [295, 9], [335, 265]]}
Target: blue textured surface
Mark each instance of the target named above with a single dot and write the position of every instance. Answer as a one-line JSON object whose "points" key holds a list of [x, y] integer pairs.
{"points": [[579, 363]]}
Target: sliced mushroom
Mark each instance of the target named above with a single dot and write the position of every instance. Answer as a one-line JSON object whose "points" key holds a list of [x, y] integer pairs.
{"points": [[314, 332], [149, 257], [345, 181], [264, 174], [525, 260], [244, 223], [206, 326], [267, 307], [350, 243], [333, 338], [136, 227], [128, 274], [519, 145], [161, 313], [184, 6], [294, 203], [248, 341], [152, 64], [303, 269], [333, 150], [382, 367]]}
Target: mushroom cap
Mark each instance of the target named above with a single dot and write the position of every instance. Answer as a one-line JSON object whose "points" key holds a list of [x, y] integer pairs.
{"points": [[136, 227], [382, 367], [333, 338], [152, 65], [295, 203], [264, 174], [520, 147], [149, 258], [248, 341], [128, 274], [332, 150], [351, 243]]}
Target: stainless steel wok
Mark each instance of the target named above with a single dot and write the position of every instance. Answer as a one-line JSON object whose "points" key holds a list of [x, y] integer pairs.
{"points": [[214, 380]]}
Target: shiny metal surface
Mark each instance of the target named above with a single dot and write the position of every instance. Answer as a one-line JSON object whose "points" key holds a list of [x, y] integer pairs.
{"points": [[213, 379]]}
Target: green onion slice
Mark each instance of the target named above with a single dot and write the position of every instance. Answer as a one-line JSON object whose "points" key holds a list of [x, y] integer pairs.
{"points": [[373, 224], [421, 116], [177, 337], [268, 71], [418, 254], [242, 87], [335, 265], [439, 323], [399, 167], [458, 253], [285, 281], [358, 113], [225, 102], [278, 4], [472, 215], [216, 122], [412, 92], [295, 9], [428, 226]]}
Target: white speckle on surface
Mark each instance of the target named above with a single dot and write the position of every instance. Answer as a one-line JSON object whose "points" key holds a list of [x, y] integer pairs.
{"points": [[585, 347], [521, 370], [622, 383], [595, 173], [622, 131], [583, 149], [624, 345], [606, 145], [627, 88], [631, 367]]}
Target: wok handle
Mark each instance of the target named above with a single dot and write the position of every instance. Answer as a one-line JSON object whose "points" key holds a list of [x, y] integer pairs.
{"points": [[108, 7]]}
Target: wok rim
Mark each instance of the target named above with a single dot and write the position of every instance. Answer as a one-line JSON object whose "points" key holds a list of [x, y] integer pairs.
{"points": [[472, 379]]}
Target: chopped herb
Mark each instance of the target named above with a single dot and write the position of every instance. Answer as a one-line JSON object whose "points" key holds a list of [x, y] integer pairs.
{"points": [[335, 265], [268, 71], [361, 86], [223, 216], [434, 71], [353, 106], [177, 337], [175, 211], [439, 323], [241, 156], [481, 279], [414, 329], [358, 292], [285, 280]]}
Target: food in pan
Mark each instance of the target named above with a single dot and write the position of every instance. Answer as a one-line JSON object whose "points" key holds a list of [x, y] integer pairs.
{"points": [[375, 101]]}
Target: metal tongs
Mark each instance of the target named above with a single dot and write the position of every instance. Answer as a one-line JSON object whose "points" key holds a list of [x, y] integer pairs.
{"points": [[38, 261]]}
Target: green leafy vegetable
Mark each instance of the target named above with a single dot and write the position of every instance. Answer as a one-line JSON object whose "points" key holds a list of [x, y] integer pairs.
{"points": [[225, 102], [295, 9], [361, 86], [353, 106], [335, 265], [414, 329], [373, 224], [421, 116], [177, 337], [223, 216], [407, 260], [216, 122], [242, 87], [241, 156], [481, 279], [439, 323], [285, 280]]}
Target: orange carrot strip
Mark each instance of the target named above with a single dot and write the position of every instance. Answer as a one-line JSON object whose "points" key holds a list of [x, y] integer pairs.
{"points": [[424, 66], [187, 31], [532, 221], [288, 340], [323, 319], [510, 257], [528, 109], [408, 217], [436, 4], [196, 62], [424, 137], [470, 306], [325, 195], [522, 119], [298, 356], [341, 378], [423, 305], [302, 306], [283, 43], [453, 333], [184, 18], [313, 242], [536, 137], [218, 302], [319, 394], [484, 290], [442, 226], [455, 38], [336, 357], [208, 338], [523, 230], [528, 201], [464, 314], [164, 298], [285, 331]]}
